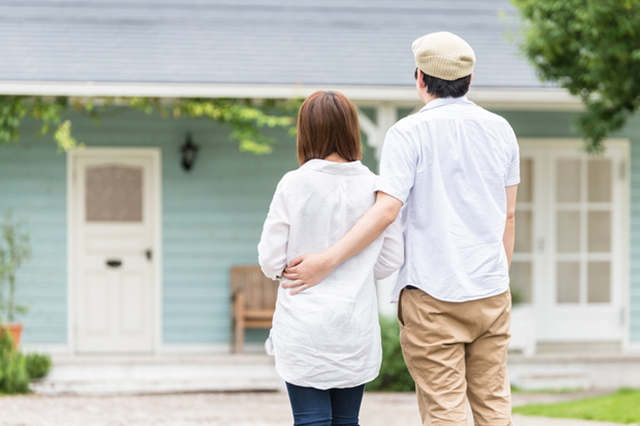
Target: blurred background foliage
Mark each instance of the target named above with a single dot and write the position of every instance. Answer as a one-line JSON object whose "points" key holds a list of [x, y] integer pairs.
{"points": [[16, 369], [246, 117], [591, 48], [394, 375]]}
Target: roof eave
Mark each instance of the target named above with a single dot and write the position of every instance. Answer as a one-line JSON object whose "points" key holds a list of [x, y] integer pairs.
{"points": [[534, 98]]}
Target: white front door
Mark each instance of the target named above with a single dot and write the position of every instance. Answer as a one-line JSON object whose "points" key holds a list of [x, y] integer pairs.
{"points": [[114, 222], [569, 257]]}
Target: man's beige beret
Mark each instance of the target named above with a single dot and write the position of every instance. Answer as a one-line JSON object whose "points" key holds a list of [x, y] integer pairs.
{"points": [[444, 55]]}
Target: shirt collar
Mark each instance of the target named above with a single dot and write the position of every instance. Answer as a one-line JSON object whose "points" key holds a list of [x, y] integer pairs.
{"points": [[351, 168], [436, 103]]}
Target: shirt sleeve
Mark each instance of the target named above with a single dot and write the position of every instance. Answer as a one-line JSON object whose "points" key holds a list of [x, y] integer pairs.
{"points": [[397, 165], [391, 257], [272, 249], [513, 168]]}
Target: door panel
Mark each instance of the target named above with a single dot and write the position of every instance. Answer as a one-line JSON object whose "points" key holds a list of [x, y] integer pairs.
{"points": [[132, 292], [96, 313], [113, 204]]}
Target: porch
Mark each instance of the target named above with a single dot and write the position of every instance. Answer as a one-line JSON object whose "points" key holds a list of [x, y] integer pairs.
{"points": [[165, 374], [574, 371], [158, 374]]}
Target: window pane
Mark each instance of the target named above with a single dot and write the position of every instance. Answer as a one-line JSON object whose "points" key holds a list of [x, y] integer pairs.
{"points": [[520, 275], [599, 180], [568, 181], [524, 232], [568, 282], [599, 282], [525, 188], [568, 232], [599, 231], [113, 194]]}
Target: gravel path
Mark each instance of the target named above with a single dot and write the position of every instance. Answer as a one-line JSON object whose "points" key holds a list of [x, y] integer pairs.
{"points": [[217, 409]]}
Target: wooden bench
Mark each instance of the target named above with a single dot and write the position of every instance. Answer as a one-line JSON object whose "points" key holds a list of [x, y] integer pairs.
{"points": [[253, 301]]}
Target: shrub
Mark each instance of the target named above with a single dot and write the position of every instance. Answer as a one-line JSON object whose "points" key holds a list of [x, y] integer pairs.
{"points": [[6, 343], [16, 369], [13, 374], [394, 375], [38, 365], [13, 367]]}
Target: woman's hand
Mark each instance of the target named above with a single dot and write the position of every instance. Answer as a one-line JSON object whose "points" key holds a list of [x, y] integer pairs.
{"points": [[306, 271]]}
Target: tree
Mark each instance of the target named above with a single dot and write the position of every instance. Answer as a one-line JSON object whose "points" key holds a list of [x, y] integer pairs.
{"points": [[591, 48], [246, 117]]}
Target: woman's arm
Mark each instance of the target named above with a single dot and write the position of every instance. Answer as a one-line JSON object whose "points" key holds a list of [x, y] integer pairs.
{"points": [[391, 256], [272, 249], [309, 269], [397, 175]]}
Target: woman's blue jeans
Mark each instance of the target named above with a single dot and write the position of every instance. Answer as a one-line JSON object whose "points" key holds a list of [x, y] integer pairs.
{"points": [[332, 407]]}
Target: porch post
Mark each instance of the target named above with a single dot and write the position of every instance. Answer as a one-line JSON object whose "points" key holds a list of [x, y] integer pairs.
{"points": [[386, 116]]}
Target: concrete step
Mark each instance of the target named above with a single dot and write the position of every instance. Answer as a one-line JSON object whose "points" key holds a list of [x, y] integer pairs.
{"points": [[149, 375], [575, 371], [558, 382]]}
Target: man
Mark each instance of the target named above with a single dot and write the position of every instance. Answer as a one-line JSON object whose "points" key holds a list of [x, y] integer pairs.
{"points": [[453, 168]]}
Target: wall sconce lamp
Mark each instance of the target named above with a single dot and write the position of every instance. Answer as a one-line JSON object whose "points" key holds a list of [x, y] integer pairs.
{"points": [[189, 152]]}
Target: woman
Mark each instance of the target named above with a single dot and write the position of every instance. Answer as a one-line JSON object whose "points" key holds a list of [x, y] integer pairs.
{"points": [[326, 340]]}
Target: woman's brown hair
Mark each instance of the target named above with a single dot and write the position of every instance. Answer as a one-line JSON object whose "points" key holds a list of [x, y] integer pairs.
{"points": [[328, 123]]}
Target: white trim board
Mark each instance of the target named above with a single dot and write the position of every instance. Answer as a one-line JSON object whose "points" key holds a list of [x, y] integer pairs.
{"points": [[572, 143], [47, 348], [208, 348], [155, 154], [490, 97]]}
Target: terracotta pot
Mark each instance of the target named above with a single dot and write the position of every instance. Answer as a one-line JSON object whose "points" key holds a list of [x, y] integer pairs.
{"points": [[15, 330]]}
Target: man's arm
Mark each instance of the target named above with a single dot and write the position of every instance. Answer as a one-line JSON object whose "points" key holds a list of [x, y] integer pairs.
{"points": [[510, 227], [309, 269]]}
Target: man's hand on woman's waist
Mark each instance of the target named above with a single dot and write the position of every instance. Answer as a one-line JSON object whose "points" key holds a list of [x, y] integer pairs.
{"points": [[309, 269]]}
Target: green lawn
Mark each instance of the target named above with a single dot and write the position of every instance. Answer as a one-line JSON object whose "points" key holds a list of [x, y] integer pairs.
{"points": [[620, 407]]}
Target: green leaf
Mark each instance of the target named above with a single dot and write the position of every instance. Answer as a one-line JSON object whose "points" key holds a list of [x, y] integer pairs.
{"points": [[244, 116], [592, 49]]}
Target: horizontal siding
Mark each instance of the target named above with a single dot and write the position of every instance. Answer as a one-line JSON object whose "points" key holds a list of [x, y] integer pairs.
{"points": [[633, 132], [212, 218], [33, 185]]}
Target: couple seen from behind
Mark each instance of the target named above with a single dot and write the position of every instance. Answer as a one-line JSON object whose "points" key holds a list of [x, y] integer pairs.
{"points": [[441, 211]]}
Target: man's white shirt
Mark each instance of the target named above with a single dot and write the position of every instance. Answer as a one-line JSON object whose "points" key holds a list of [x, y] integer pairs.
{"points": [[449, 164]]}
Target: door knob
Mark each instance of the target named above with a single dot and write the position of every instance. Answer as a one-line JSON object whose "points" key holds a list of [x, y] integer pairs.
{"points": [[114, 263], [149, 254]]}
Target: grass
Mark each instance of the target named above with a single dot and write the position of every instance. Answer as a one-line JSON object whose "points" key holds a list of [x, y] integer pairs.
{"points": [[622, 406]]}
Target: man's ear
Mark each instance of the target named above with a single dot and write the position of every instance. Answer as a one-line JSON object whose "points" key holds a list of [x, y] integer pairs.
{"points": [[420, 80], [470, 79]]}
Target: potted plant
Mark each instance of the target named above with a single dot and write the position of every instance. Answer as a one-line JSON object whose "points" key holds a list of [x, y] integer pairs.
{"points": [[14, 251]]}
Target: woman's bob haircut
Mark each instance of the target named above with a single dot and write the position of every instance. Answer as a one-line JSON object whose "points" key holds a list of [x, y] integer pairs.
{"points": [[328, 123]]}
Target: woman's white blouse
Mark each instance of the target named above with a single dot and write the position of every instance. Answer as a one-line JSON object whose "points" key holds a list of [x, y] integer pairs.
{"points": [[328, 336]]}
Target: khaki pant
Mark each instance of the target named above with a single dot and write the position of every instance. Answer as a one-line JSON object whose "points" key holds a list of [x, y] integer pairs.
{"points": [[455, 352]]}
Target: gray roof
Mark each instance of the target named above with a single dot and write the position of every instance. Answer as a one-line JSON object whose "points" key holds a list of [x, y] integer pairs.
{"points": [[350, 42]]}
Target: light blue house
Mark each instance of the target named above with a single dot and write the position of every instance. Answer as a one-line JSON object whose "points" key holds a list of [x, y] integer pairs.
{"points": [[125, 198]]}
